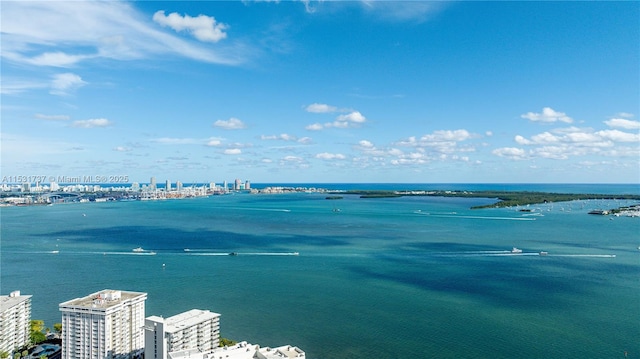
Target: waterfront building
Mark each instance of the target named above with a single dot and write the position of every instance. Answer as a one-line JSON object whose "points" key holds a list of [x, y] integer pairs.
{"points": [[242, 350], [237, 184], [167, 186], [103, 325], [194, 329], [152, 184], [247, 185], [178, 186], [15, 318]]}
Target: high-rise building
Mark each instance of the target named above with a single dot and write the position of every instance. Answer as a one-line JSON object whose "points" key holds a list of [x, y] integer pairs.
{"points": [[15, 318], [103, 325], [152, 184], [237, 184], [167, 186], [247, 184], [178, 186], [194, 329]]}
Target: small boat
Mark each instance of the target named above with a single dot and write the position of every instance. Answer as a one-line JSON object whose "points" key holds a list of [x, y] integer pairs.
{"points": [[138, 250], [233, 253], [543, 253], [55, 252], [516, 250], [187, 250]]}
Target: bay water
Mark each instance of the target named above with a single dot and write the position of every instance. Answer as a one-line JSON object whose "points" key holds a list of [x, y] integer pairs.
{"points": [[400, 277]]}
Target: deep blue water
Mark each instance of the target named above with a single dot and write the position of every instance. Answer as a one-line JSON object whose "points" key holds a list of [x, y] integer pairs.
{"points": [[389, 278]]}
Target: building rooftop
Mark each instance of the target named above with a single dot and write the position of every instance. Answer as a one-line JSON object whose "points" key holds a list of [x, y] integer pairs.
{"points": [[103, 299], [8, 301], [241, 350], [188, 319]]}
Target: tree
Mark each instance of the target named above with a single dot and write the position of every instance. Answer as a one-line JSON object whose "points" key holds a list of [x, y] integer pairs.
{"points": [[224, 342], [36, 335], [57, 327], [4, 354]]}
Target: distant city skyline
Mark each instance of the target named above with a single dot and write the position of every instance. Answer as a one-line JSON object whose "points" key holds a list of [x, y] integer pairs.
{"points": [[322, 91]]}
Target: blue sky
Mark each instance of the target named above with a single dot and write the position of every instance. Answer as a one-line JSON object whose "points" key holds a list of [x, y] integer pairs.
{"points": [[289, 91]]}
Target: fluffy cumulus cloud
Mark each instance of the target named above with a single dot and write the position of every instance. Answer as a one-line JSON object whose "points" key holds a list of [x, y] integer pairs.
{"points": [[351, 119], [65, 84], [623, 123], [231, 124], [232, 151], [564, 143], [548, 115], [321, 108], [442, 141], [330, 156], [346, 119], [510, 152], [203, 28], [355, 117], [92, 123], [314, 127]]}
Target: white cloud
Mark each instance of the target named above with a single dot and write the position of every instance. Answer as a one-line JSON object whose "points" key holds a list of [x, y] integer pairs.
{"points": [[214, 142], [354, 116], [314, 127], [330, 156], [351, 119], [231, 124], [63, 84], [365, 144], [321, 108], [305, 140], [623, 123], [52, 117], [122, 149], [92, 123], [548, 115], [76, 31], [203, 28], [510, 152], [232, 151], [618, 136], [564, 143], [282, 137]]}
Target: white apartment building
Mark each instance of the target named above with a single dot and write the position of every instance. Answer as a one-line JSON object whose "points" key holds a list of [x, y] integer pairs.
{"points": [[104, 325], [242, 350], [15, 318], [194, 329]]}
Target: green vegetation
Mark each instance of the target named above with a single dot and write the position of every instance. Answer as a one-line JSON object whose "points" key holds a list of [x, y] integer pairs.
{"points": [[374, 194], [36, 335], [4, 354], [224, 342], [57, 327], [503, 198]]}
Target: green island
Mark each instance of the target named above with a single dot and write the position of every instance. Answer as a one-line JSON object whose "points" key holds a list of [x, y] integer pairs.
{"points": [[503, 198]]}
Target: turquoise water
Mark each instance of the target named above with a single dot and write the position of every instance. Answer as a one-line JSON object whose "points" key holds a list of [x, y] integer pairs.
{"points": [[386, 278]]}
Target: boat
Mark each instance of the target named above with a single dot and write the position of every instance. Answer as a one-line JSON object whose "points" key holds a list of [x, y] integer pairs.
{"points": [[543, 253], [516, 250], [233, 253], [55, 252], [138, 250], [187, 250]]}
